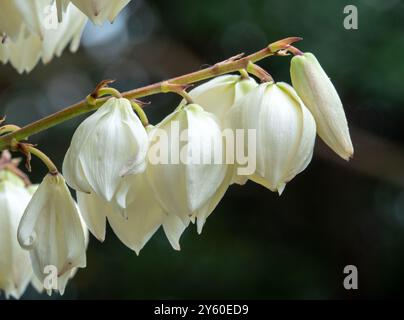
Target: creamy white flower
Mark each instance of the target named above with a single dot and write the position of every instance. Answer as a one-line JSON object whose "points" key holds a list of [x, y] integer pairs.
{"points": [[110, 140], [68, 31], [11, 19], [100, 10], [134, 214], [285, 132], [94, 211], [36, 15], [184, 185], [39, 285], [319, 95], [31, 30], [15, 264], [141, 219], [40, 35], [18, 14], [23, 53], [219, 94], [143, 216], [52, 231]]}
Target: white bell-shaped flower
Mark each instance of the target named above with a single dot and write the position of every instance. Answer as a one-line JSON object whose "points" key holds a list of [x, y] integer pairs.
{"points": [[68, 31], [16, 14], [141, 219], [39, 285], [52, 231], [15, 264], [285, 132], [110, 140], [319, 95], [143, 216], [219, 94], [99, 11], [23, 53], [36, 15], [11, 19], [41, 35], [186, 160]]}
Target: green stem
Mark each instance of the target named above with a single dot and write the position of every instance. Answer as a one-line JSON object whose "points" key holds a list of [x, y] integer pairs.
{"points": [[260, 73], [141, 114], [109, 91], [8, 128], [44, 158], [231, 65]]}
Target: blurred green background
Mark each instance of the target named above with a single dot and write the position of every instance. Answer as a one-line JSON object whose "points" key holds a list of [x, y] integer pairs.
{"points": [[256, 244]]}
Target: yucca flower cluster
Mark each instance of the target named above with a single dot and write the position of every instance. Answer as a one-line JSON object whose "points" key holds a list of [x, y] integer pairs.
{"points": [[34, 30], [138, 177], [125, 172]]}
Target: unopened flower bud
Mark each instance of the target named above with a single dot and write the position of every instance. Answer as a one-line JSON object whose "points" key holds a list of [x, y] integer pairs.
{"points": [[319, 95]]}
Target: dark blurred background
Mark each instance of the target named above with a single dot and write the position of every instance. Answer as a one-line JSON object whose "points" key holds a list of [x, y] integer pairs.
{"points": [[256, 244]]}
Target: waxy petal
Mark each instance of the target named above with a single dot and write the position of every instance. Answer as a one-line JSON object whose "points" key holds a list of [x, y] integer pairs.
{"points": [[15, 264], [195, 182], [52, 231], [319, 95]]}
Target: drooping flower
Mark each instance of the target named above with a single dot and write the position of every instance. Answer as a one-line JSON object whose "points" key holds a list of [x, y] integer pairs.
{"points": [[15, 264], [143, 216], [141, 219], [40, 35], [193, 163], [98, 11], [285, 132], [68, 31], [36, 15], [52, 231], [134, 214], [319, 95], [23, 53], [218, 95], [106, 143]]}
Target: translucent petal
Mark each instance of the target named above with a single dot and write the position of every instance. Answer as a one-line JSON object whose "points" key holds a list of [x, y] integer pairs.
{"points": [[15, 265], [285, 133], [100, 10], [219, 94], [195, 182], [94, 211], [144, 216], [51, 230], [106, 142]]}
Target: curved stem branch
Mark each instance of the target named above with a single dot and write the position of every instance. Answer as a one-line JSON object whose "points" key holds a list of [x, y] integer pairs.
{"points": [[231, 65], [8, 128], [44, 158], [141, 114]]}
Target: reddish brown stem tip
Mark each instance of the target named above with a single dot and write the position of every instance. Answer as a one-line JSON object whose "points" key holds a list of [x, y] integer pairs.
{"points": [[283, 44], [102, 84]]}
